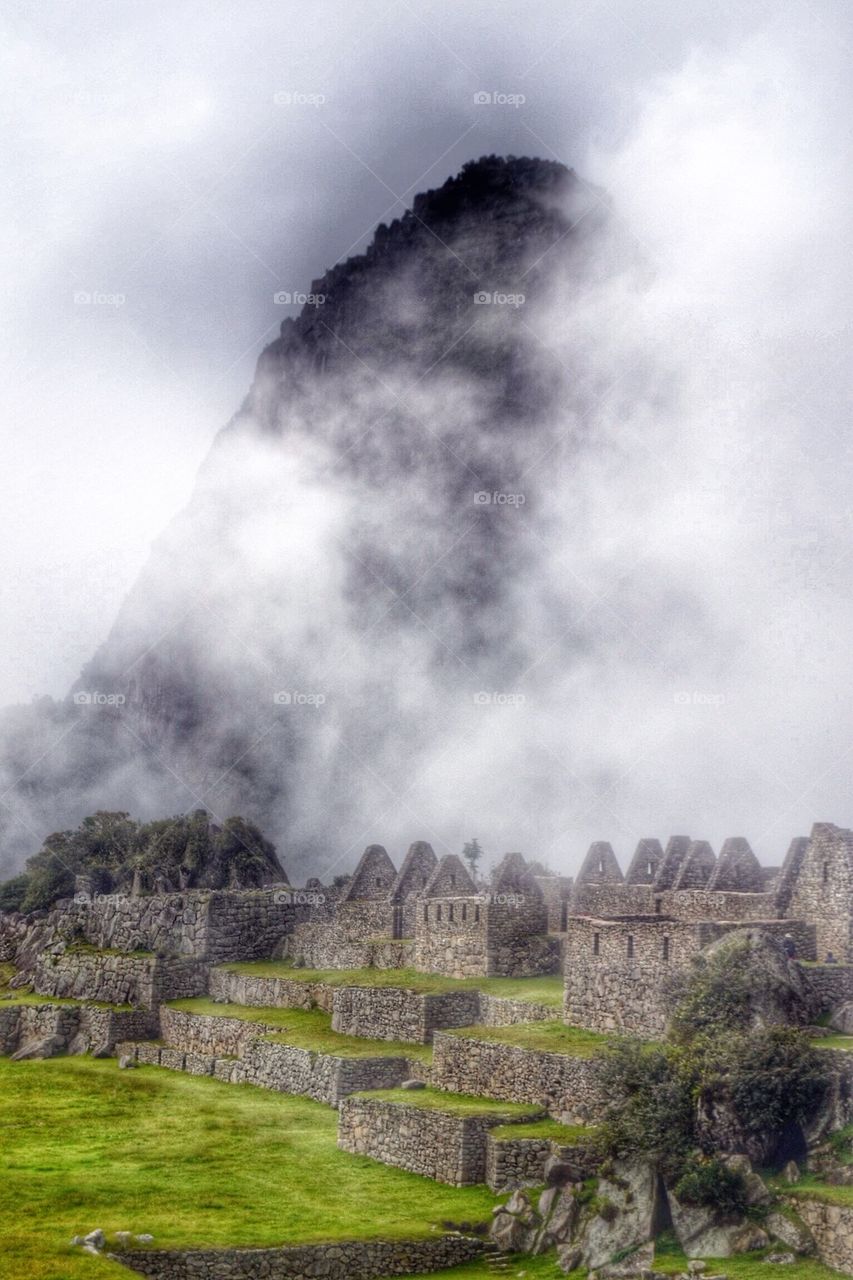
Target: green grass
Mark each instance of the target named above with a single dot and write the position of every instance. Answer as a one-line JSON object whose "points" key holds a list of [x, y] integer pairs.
{"points": [[552, 1037], [833, 1042], [191, 1160], [455, 1104], [307, 1029], [565, 1134], [811, 1188], [547, 990]]}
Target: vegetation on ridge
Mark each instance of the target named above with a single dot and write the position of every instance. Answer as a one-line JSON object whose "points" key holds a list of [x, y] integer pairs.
{"points": [[118, 853]]}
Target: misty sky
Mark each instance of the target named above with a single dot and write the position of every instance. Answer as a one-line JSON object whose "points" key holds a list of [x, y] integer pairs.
{"points": [[159, 191]]}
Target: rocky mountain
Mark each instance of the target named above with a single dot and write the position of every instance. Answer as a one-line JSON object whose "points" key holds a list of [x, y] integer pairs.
{"points": [[369, 563]]}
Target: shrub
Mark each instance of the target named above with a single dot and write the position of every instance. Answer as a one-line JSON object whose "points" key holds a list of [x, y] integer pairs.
{"points": [[712, 1183]]}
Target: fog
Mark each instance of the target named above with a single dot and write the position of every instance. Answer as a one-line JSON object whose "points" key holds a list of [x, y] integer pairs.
{"points": [[682, 553]]}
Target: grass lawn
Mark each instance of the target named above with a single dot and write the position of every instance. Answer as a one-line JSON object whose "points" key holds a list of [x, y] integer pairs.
{"points": [[307, 1029], [191, 1160], [566, 1134], [811, 1188], [456, 1104], [547, 990], [833, 1042], [553, 1037]]}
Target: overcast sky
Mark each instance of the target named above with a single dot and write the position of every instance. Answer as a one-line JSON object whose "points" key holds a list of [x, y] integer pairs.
{"points": [[170, 167]]}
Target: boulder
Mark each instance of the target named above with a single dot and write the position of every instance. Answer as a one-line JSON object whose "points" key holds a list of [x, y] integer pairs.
{"points": [[791, 1172], [413, 1084], [790, 1231], [703, 1233], [841, 1018], [786, 1259], [43, 1047], [95, 1238], [635, 1264], [569, 1257], [626, 1217]]}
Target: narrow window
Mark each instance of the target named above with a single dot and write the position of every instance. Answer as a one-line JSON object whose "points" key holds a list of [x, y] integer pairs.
{"points": [[476, 915], [450, 913], [630, 945], [564, 917], [658, 906], [826, 873], [596, 944], [426, 915], [438, 913], [666, 948], [464, 911], [378, 882], [452, 881]]}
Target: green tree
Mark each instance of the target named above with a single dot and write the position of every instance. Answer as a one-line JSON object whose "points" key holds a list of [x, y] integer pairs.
{"points": [[472, 853]]}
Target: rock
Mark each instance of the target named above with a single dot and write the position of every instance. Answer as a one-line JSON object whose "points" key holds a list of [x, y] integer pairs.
{"points": [[125, 1062], [511, 1234], [413, 1084], [695, 1266], [44, 1047], [145, 1239], [561, 1224], [558, 1172], [756, 1190], [791, 1231], [791, 1172], [702, 1233], [738, 1163], [628, 1215], [75, 1240], [569, 1257], [841, 1018], [102, 1051], [95, 1238], [124, 1237], [518, 1203], [635, 1263], [785, 1259]]}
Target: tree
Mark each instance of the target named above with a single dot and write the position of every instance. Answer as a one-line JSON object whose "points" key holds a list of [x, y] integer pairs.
{"points": [[472, 853]]}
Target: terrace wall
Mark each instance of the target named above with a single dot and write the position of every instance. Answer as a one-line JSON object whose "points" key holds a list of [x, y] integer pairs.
{"points": [[832, 1228], [80, 1029], [436, 1144], [566, 1086], [118, 977], [353, 1259]]}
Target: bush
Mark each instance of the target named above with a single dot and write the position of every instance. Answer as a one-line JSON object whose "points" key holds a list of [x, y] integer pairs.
{"points": [[650, 1108], [712, 1183]]}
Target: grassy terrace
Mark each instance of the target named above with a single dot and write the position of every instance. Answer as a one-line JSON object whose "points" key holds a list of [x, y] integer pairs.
{"points": [[567, 1134], [454, 1104], [552, 1037], [25, 995], [548, 990], [307, 1029], [191, 1160], [811, 1188], [833, 1042]]}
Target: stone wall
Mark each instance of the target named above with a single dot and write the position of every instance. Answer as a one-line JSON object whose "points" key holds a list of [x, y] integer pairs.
{"points": [[520, 1162], [236, 1051], [500, 935], [832, 1228], [823, 890], [278, 993], [117, 977], [616, 970], [343, 1260], [321, 946], [832, 985], [622, 900], [436, 1144], [393, 1013], [78, 1028], [362, 921], [567, 1087], [500, 1011]]}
